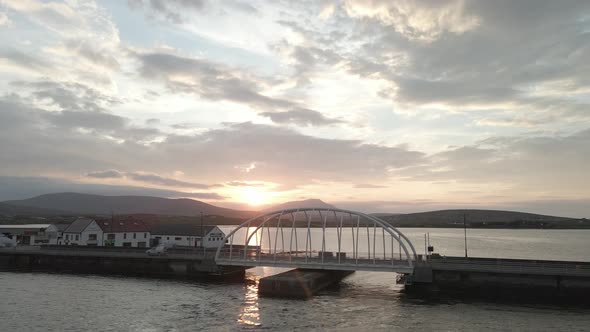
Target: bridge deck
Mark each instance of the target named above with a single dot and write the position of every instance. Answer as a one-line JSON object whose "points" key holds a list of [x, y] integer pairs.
{"points": [[317, 262], [487, 265]]}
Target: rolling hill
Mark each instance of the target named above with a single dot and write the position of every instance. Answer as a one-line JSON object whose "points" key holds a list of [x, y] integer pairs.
{"points": [[482, 219], [16, 210], [317, 203], [97, 204], [188, 211]]}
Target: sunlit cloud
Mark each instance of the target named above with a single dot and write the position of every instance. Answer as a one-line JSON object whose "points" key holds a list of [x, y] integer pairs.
{"points": [[420, 104]]}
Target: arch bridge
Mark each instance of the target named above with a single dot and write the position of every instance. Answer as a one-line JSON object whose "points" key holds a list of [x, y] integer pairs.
{"points": [[318, 238]]}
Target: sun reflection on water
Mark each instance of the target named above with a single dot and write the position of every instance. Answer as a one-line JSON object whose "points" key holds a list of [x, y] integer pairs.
{"points": [[249, 315]]}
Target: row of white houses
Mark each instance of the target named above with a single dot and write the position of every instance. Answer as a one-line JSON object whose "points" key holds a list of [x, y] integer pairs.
{"points": [[90, 232]]}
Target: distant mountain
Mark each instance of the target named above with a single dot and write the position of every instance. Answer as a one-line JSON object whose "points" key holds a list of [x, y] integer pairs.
{"points": [[481, 219], [15, 210], [167, 210], [382, 214], [312, 203], [97, 204]]}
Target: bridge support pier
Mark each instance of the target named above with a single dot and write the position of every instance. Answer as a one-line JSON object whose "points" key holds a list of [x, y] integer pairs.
{"points": [[299, 283]]}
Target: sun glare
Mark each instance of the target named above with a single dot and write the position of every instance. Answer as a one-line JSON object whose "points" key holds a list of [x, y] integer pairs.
{"points": [[254, 197]]}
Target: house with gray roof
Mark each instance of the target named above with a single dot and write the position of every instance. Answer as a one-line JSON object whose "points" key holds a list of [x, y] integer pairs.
{"points": [[82, 232]]}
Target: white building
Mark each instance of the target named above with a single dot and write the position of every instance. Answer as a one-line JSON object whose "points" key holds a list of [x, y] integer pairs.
{"points": [[82, 232], [54, 233], [187, 235], [126, 233], [28, 234], [214, 237]]}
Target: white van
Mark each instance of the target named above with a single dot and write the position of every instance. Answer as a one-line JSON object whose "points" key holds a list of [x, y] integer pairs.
{"points": [[6, 242], [160, 249]]}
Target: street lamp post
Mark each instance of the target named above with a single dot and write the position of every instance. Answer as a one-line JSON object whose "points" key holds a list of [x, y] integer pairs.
{"points": [[465, 232], [202, 235]]}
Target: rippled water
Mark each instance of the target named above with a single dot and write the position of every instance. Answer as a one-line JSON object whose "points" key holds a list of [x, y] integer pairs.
{"points": [[365, 301]]}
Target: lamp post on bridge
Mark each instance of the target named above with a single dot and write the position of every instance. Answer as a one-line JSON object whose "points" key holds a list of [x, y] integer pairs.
{"points": [[465, 232], [202, 235]]}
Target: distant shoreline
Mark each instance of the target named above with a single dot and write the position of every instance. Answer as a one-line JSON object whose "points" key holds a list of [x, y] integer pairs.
{"points": [[488, 227]]}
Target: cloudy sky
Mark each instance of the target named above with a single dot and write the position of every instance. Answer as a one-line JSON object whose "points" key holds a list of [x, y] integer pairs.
{"points": [[370, 105]]}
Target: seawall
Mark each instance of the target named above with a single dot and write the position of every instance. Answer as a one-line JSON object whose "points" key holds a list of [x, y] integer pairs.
{"points": [[176, 263], [502, 278]]}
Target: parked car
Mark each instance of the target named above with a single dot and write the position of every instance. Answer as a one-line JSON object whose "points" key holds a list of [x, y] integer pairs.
{"points": [[5, 241], [160, 249]]}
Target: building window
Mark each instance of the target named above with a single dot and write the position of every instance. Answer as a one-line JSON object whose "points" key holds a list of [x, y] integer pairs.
{"points": [[134, 235], [126, 244], [77, 237], [144, 235], [124, 235], [111, 236], [92, 237], [177, 238], [167, 238]]}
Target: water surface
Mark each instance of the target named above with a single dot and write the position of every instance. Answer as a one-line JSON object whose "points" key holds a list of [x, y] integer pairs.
{"points": [[365, 301]]}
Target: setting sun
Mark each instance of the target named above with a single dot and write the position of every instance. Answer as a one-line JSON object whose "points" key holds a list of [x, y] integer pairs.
{"points": [[254, 196]]}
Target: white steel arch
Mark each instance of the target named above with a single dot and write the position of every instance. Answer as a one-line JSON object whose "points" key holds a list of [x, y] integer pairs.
{"points": [[332, 239]]}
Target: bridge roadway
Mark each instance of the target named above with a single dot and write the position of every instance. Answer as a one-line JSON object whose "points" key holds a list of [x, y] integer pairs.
{"points": [[458, 264], [317, 261]]}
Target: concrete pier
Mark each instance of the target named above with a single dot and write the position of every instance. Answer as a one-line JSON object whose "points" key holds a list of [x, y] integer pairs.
{"points": [[299, 283], [127, 261], [502, 277]]}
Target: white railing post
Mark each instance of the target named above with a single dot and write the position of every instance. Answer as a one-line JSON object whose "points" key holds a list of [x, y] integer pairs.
{"points": [[323, 219], [291, 237], [358, 220], [245, 241], [368, 241], [374, 243], [308, 238], [339, 253], [383, 234], [276, 236], [269, 240], [352, 231], [296, 244]]}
